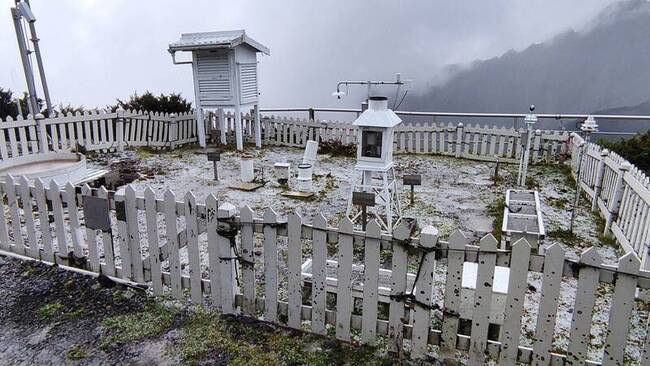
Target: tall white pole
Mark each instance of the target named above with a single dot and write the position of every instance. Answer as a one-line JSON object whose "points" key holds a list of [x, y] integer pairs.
{"points": [[530, 120], [32, 103], [588, 127]]}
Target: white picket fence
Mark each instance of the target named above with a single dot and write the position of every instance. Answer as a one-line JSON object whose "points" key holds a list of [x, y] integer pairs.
{"points": [[113, 131], [251, 265], [94, 130], [618, 191], [471, 141]]}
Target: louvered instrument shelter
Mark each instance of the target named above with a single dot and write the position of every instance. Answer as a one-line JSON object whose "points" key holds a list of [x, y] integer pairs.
{"points": [[224, 65]]}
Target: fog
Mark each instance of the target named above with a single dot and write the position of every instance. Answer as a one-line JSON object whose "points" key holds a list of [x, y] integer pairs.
{"points": [[96, 51]]}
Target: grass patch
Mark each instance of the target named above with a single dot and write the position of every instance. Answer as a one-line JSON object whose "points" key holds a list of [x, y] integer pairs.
{"points": [[600, 229], [49, 311], [151, 321], [495, 209], [76, 353], [532, 183], [237, 341], [565, 236], [560, 203], [569, 180]]}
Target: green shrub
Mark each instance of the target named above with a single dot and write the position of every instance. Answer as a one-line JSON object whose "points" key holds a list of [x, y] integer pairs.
{"points": [[636, 150], [147, 102]]}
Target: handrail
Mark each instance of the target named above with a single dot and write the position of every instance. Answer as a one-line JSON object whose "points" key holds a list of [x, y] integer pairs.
{"points": [[462, 114]]}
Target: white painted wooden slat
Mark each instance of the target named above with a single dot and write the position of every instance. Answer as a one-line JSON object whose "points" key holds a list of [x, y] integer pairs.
{"points": [[152, 237], [482, 299], [4, 229], [3, 145], [455, 259], [79, 132], [172, 244], [71, 135], [517, 285], [123, 234], [621, 310], [211, 208], [57, 209], [107, 241], [28, 215], [43, 219], [270, 266], [423, 288], [294, 275], [88, 135], [22, 139], [226, 262], [370, 283], [319, 274], [14, 211], [398, 288], [344, 280], [91, 236], [552, 279], [590, 260], [193, 254], [247, 261], [70, 195]]}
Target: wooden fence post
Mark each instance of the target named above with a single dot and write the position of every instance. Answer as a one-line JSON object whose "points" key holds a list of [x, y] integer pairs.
{"points": [[615, 203], [173, 131], [119, 125], [42, 133], [258, 126], [423, 287], [451, 309], [459, 140], [536, 145], [600, 174], [228, 284]]}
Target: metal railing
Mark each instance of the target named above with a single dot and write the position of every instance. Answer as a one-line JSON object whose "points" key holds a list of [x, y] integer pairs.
{"points": [[515, 116]]}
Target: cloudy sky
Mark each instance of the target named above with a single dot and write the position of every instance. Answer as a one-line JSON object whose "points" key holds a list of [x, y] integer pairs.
{"points": [[97, 50]]}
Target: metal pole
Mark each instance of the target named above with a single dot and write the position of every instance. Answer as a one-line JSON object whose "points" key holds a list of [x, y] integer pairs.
{"points": [[27, 68], [39, 62], [412, 194], [576, 198], [588, 126], [364, 217], [530, 121], [216, 172]]}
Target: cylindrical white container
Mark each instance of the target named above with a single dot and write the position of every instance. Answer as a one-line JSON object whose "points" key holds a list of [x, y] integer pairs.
{"points": [[304, 177], [247, 172]]}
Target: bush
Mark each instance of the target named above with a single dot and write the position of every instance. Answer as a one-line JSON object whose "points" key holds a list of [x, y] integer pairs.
{"points": [[636, 150], [147, 102], [8, 107]]}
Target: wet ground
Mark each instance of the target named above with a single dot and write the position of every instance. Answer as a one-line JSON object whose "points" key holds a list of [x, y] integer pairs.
{"points": [[50, 316]]}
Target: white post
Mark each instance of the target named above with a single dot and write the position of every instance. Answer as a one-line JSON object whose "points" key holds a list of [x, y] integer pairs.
{"points": [[615, 204], [459, 139], [221, 117], [530, 121], [173, 131], [258, 127], [588, 126], [238, 130], [599, 179], [119, 125], [42, 132], [200, 125]]}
